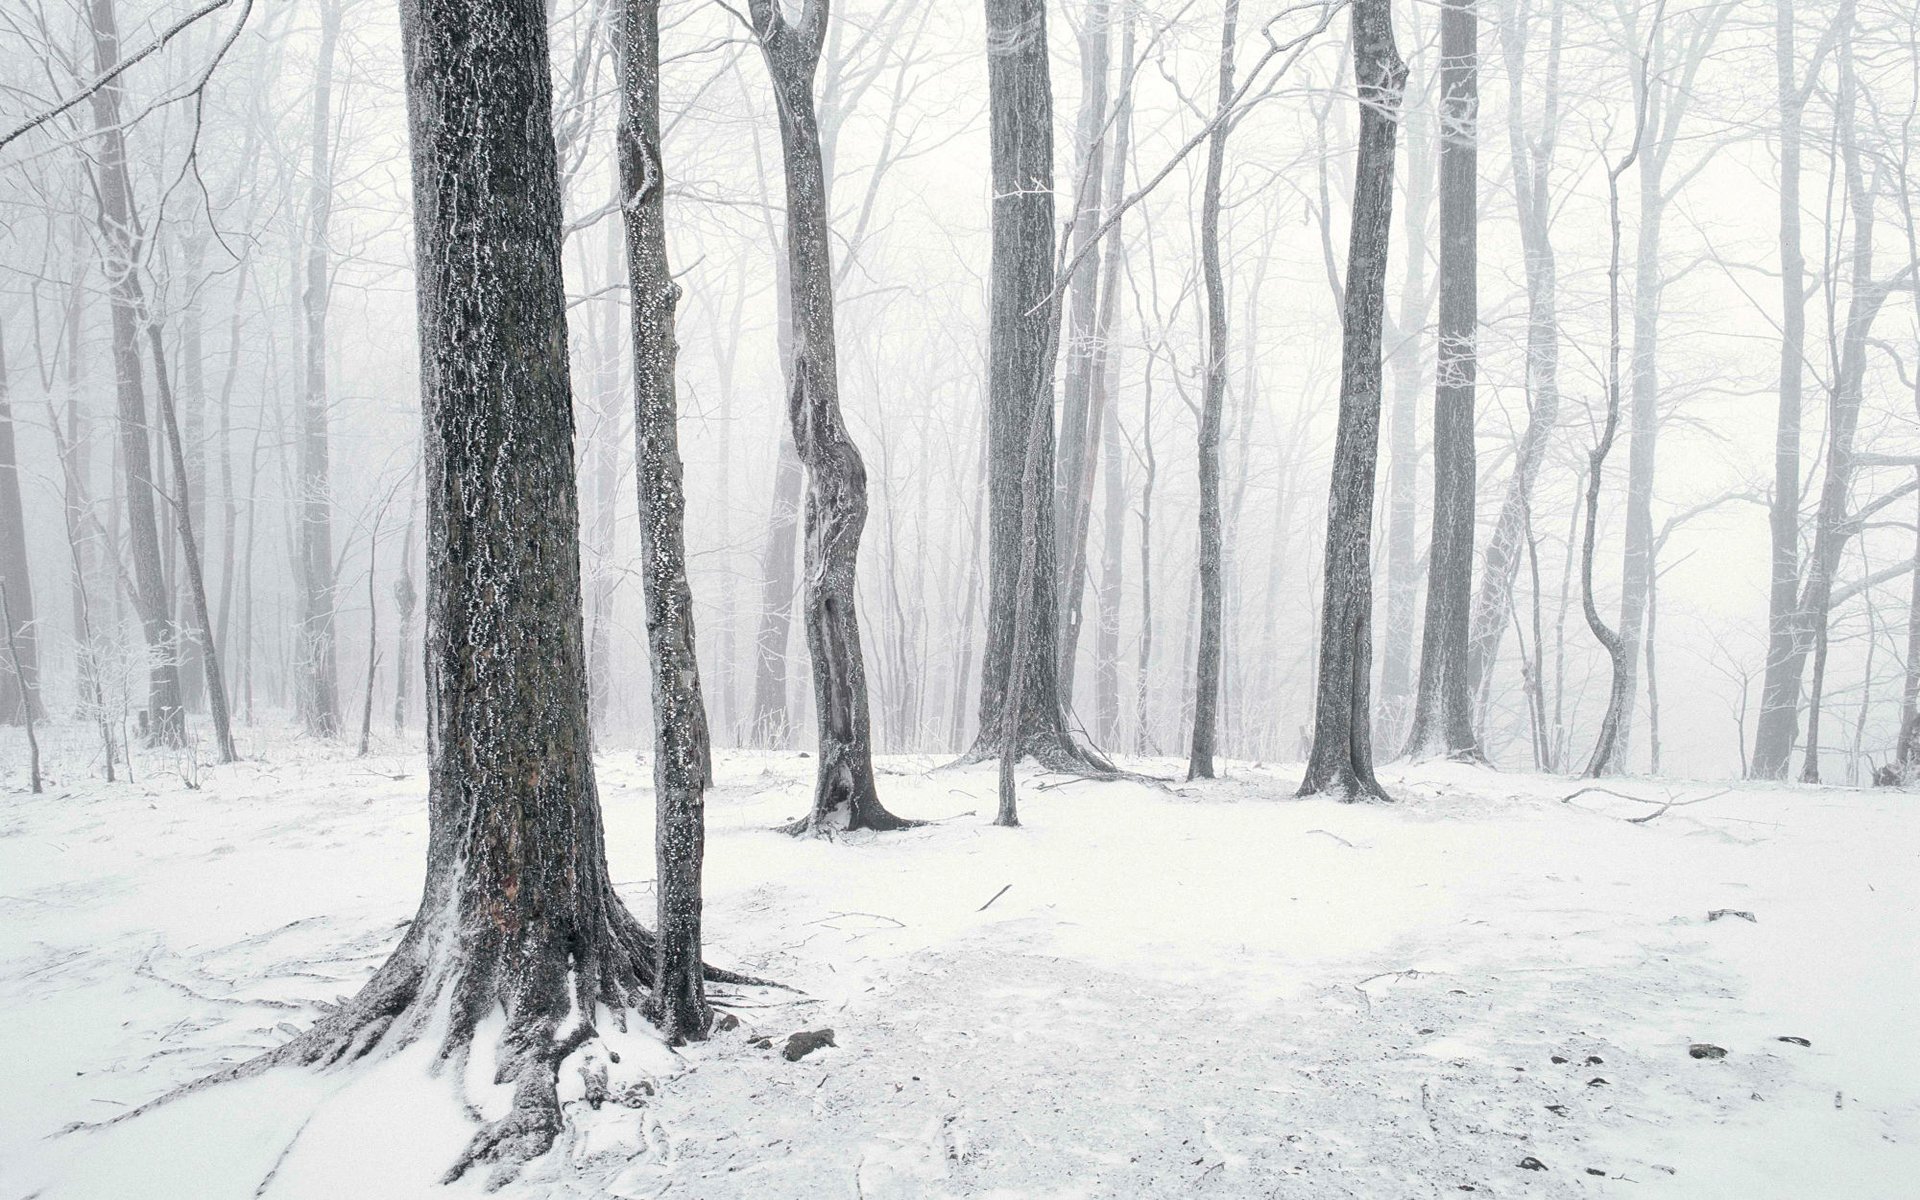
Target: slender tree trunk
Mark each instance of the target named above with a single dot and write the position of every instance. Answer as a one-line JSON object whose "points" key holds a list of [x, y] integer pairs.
{"points": [[373, 640], [1443, 700], [319, 674], [1532, 183], [20, 701], [1143, 672], [165, 717], [1341, 760], [604, 454], [1609, 746], [1833, 527], [845, 796], [405, 597], [1206, 677], [1779, 724], [1908, 750], [682, 769], [216, 687], [21, 679], [1078, 444]]}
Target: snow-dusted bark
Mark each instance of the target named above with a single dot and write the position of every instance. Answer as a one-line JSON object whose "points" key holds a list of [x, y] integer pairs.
{"points": [[1443, 699], [1206, 676], [318, 694], [518, 919], [120, 252], [1341, 760], [681, 767], [20, 682], [1020, 356], [1532, 146], [845, 796]]}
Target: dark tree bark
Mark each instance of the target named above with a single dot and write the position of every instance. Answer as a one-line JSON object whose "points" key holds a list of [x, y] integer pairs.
{"points": [[1206, 676], [1443, 699], [518, 916], [681, 769], [845, 796], [1341, 760], [165, 716], [319, 693], [1022, 329], [1532, 154], [20, 688]]}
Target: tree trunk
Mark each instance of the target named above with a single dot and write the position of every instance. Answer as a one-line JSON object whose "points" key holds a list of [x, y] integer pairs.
{"points": [[682, 770], [1206, 675], [1779, 724], [1341, 760], [1532, 183], [845, 796], [1023, 327], [519, 920], [190, 549], [319, 693], [20, 701], [1078, 443], [1443, 699], [1833, 527], [165, 718]]}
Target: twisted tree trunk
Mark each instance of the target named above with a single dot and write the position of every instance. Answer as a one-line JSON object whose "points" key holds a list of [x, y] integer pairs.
{"points": [[845, 796]]}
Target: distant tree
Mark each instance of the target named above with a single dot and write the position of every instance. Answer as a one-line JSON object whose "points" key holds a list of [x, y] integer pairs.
{"points": [[20, 683], [1341, 760]]}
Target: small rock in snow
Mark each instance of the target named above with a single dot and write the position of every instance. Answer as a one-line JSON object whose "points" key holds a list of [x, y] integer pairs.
{"points": [[1559, 1058], [1706, 1050], [1742, 913], [1530, 1163], [1597, 1081], [806, 1042], [1798, 1041], [1596, 1171]]}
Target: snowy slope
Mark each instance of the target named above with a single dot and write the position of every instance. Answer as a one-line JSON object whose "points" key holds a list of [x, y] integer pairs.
{"points": [[1208, 990]]}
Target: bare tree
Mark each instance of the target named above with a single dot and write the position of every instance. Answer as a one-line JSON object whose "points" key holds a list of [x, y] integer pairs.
{"points": [[845, 796], [1206, 688], [1341, 760], [20, 692], [319, 694], [682, 770], [1443, 699]]}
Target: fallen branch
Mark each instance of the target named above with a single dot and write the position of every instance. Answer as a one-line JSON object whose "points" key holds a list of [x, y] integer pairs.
{"points": [[996, 896]]}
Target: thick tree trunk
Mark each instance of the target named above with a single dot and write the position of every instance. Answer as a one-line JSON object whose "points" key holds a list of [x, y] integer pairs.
{"points": [[1206, 675], [681, 768], [20, 701], [319, 693], [1779, 724], [1341, 760], [165, 717], [1443, 700], [1532, 182], [845, 796], [1021, 337], [519, 921]]}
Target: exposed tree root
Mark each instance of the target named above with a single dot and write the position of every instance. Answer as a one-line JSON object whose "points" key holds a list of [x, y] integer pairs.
{"points": [[448, 990]]}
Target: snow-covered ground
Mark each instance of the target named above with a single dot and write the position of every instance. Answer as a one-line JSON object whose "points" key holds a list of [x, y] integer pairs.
{"points": [[1208, 989]]}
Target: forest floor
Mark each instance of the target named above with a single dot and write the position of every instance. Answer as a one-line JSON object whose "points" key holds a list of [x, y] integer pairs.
{"points": [[1207, 989]]}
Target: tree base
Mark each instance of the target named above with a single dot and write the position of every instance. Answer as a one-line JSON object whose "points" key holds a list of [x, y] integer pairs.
{"points": [[438, 990]]}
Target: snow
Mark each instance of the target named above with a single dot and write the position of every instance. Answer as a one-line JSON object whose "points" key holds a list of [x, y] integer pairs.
{"points": [[1209, 989]]}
